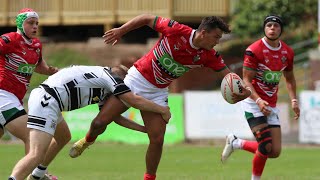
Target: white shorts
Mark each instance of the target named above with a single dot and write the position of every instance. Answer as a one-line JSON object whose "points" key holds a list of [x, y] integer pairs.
{"points": [[142, 87], [44, 112], [250, 106], [10, 105]]}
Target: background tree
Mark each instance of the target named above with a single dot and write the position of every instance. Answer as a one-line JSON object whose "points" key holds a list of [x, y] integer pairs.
{"points": [[300, 17]]}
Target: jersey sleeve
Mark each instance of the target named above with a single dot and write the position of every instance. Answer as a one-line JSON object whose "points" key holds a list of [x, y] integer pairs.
{"points": [[113, 82], [250, 60], [215, 61], [168, 27], [4, 43], [290, 60]]}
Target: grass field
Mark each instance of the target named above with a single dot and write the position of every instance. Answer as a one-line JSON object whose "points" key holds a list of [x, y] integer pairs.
{"points": [[179, 162]]}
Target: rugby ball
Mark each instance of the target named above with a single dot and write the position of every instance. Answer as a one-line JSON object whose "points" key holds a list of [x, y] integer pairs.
{"points": [[231, 84]]}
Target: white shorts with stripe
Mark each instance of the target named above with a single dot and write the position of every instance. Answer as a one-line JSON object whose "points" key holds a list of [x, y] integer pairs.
{"points": [[9, 106], [142, 87], [44, 112], [250, 106]]}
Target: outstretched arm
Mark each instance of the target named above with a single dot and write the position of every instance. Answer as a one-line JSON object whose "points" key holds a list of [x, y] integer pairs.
{"points": [[43, 68], [127, 123], [141, 103], [113, 36]]}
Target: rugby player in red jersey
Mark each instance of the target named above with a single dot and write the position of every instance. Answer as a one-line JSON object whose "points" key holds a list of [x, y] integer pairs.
{"points": [[20, 56], [179, 49], [264, 63]]}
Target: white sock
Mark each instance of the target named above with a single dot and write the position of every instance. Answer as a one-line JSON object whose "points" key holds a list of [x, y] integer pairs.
{"points": [[236, 144], [254, 177], [12, 178], [39, 171]]}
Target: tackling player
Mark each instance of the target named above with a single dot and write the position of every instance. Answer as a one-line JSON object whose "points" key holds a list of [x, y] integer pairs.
{"points": [[179, 49], [73, 88], [264, 63]]}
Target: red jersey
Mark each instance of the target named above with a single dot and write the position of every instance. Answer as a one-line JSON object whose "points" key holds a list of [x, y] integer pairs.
{"points": [[269, 63], [18, 58], [174, 54]]}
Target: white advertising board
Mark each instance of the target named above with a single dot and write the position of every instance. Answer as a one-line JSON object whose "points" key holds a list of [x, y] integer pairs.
{"points": [[209, 116], [309, 122]]}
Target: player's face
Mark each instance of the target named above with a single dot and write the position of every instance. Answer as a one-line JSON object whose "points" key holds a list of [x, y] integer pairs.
{"points": [[211, 38], [272, 30], [30, 27]]}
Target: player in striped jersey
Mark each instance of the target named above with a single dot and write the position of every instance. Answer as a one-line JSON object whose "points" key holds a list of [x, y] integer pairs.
{"points": [[72, 88]]}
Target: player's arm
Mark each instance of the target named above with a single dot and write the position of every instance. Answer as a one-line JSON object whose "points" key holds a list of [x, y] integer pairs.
{"points": [[43, 68], [127, 123], [248, 75], [113, 36], [291, 86], [141, 103]]}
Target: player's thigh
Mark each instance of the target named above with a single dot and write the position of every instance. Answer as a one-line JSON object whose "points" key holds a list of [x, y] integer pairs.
{"points": [[154, 123], [62, 134], [18, 127], [39, 142]]}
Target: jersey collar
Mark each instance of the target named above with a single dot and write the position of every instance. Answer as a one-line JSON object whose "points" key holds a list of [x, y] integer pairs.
{"points": [[190, 40], [270, 47]]}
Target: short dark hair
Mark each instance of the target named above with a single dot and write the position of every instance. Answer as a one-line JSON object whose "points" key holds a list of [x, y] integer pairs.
{"points": [[212, 22], [120, 70]]}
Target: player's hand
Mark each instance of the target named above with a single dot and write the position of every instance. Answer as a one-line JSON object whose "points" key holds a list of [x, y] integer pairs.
{"points": [[296, 109], [166, 114], [264, 107], [243, 95], [52, 70], [112, 36]]}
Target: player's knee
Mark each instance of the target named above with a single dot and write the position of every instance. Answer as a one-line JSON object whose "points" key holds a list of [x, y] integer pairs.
{"points": [[265, 147], [99, 124], [157, 139], [274, 154]]}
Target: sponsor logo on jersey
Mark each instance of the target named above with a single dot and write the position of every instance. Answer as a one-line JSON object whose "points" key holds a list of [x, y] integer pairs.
{"points": [[175, 47], [37, 44], [196, 58], [284, 52], [184, 40], [272, 77], [283, 59], [172, 67], [26, 69], [38, 51], [171, 23], [265, 51]]}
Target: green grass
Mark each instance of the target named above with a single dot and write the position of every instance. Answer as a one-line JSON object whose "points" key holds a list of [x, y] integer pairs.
{"points": [[179, 162]]}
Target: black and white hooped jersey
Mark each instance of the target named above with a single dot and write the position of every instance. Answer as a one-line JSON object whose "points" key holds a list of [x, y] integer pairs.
{"points": [[78, 86]]}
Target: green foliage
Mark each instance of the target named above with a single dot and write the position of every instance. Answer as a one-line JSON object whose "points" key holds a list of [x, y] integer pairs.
{"points": [[248, 16]]}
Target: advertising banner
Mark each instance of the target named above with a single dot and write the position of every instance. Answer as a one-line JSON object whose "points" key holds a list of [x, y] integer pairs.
{"points": [[79, 123], [309, 122]]}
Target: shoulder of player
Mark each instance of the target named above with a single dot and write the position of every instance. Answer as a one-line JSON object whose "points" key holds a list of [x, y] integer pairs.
{"points": [[286, 46], [254, 48], [10, 37]]}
